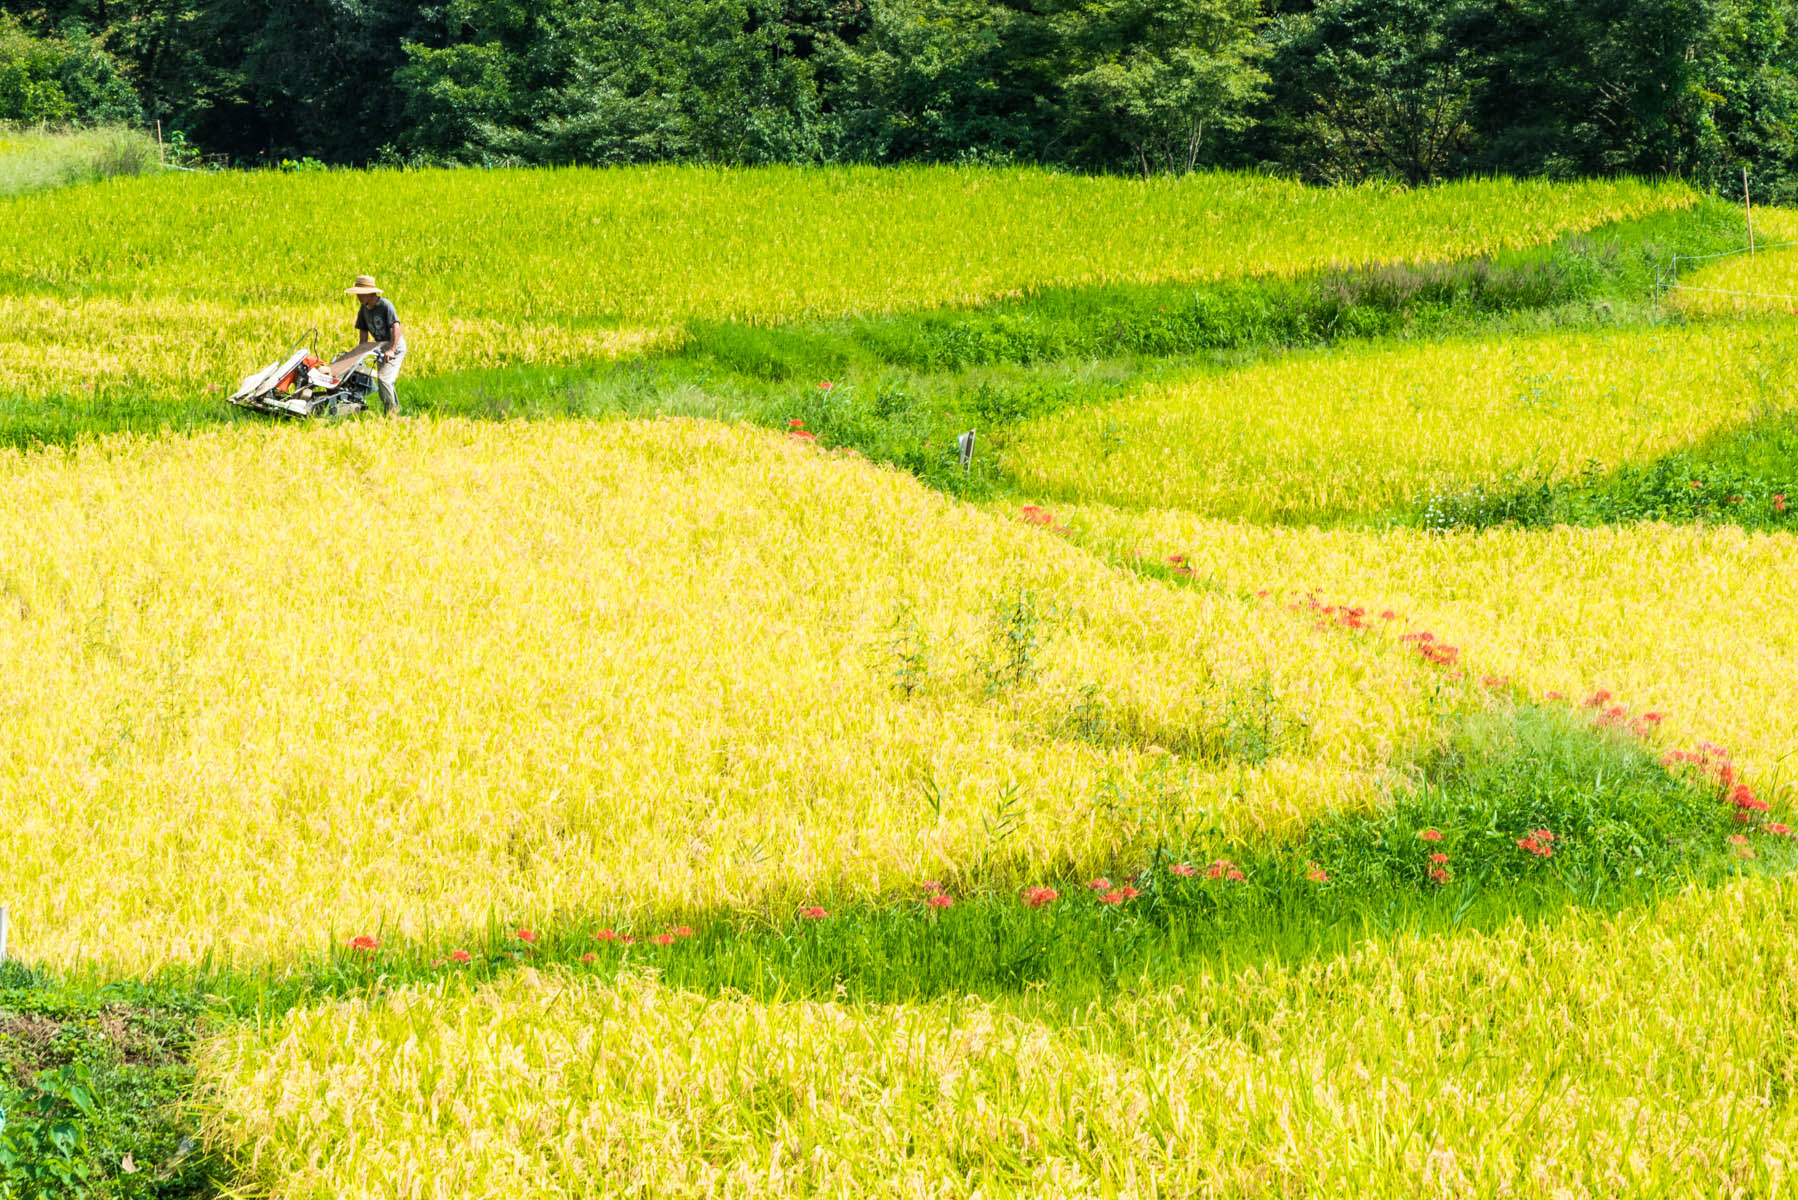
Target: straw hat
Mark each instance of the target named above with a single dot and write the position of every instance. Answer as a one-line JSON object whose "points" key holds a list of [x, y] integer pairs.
{"points": [[365, 286]]}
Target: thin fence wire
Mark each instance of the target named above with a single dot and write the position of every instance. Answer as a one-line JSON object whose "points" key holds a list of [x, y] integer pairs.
{"points": [[1669, 280]]}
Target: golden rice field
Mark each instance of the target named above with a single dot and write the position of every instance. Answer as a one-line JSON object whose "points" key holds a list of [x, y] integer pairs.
{"points": [[1689, 621], [163, 286], [1345, 433], [272, 687], [1646, 1053], [399, 678]]}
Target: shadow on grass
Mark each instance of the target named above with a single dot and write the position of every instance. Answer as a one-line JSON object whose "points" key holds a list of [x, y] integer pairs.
{"points": [[1746, 475], [1521, 811]]}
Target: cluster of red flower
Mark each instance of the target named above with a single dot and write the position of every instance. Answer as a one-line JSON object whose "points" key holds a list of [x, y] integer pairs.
{"points": [[1031, 514], [1223, 868], [1540, 842]]}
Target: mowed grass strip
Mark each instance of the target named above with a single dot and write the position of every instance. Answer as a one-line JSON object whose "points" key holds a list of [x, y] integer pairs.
{"points": [[1347, 435], [1640, 1053], [398, 677], [198, 279]]}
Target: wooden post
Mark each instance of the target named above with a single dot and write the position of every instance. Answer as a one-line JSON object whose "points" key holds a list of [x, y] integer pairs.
{"points": [[162, 159], [1748, 209], [2, 933]]}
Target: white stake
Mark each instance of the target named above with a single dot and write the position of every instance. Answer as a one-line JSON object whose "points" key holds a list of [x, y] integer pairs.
{"points": [[1748, 209], [2, 933]]}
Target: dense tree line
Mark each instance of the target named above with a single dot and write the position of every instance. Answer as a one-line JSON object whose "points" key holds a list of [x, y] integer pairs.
{"points": [[1328, 90]]}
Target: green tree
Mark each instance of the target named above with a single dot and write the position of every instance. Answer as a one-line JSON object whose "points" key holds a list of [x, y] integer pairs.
{"points": [[1154, 78], [1375, 88], [66, 78]]}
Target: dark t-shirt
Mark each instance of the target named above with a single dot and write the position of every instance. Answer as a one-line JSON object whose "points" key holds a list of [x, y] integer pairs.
{"points": [[378, 319]]}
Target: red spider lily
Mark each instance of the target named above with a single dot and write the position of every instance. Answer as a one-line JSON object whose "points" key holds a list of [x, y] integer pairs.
{"points": [[1101, 884], [1779, 503], [1422, 636], [1736, 839], [1777, 829], [1554, 695], [1440, 653], [931, 885], [1217, 869], [825, 385], [1128, 892], [605, 935], [525, 935], [795, 422], [1233, 875], [1598, 699], [814, 913], [1493, 682], [940, 901], [1439, 858], [1036, 516], [589, 958], [1744, 799], [1542, 835], [1430, 835], [1386, 614], [1112, 898], [627, 940], [363, 941], [1037, 897], [800, 435], [1176, 559], [460, 956], [1532, 846], [1184, 870], [683, 931], [663, 939], [1262, 594], [1439, 875], [1317, 874], [1697, 484]]}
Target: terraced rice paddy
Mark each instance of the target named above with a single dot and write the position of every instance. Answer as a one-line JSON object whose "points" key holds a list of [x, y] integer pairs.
{"points": [[651, 805]]}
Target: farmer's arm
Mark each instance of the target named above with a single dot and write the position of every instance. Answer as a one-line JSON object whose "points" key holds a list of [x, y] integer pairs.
{"points": [[394, 337], [362, 332]]}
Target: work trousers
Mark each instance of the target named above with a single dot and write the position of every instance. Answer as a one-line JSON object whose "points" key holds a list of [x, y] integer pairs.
{"points": [[385, 376]]}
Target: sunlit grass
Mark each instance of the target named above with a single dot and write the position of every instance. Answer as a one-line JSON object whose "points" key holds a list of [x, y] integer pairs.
{"points": [[34, 159]]}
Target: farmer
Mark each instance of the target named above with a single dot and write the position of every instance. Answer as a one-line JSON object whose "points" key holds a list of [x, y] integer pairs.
{"points": [[379, 325]]}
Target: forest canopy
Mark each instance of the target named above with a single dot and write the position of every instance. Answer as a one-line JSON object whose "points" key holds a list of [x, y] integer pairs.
{"points": [[1326, 90]]}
